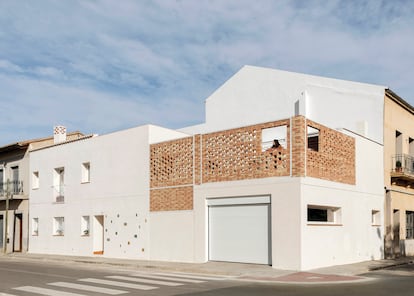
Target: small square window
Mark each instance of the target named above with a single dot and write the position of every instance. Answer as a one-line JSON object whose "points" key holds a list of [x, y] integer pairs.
{"points": [[59, 226], [35, 180], [86, 176], [35, 226], [85, 225]]}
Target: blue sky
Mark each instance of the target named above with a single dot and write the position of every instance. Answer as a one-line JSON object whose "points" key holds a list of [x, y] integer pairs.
{"points": [[100, 66]]}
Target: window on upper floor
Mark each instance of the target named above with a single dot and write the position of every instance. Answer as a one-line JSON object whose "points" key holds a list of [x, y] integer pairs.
{"points": [[86, 172], [411, 146], [58, 184], [2, 185], [35, 180], [324, 214], [274, 137], [409, 225], [398, 142], [16, 184], [58, 226], [313, 138]]}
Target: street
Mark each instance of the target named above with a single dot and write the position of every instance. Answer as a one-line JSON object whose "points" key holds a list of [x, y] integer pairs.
{"points": [[24, 278]]}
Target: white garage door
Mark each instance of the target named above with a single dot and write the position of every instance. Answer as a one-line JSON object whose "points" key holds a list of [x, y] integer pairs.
{"points": [[239, 229]]}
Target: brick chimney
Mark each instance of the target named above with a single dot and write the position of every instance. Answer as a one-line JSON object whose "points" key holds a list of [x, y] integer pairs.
{"points": [[59, 134]]}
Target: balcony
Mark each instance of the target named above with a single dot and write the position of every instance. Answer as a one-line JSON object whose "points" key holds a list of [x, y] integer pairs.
{"points": [[15, 188], [402, 172]]}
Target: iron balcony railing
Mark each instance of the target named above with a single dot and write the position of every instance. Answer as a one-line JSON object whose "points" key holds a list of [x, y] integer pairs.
{"points": [[14, 187], [403, 163]]}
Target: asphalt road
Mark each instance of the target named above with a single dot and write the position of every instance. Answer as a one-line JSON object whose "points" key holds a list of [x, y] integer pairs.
{"points": [[24, 278]]}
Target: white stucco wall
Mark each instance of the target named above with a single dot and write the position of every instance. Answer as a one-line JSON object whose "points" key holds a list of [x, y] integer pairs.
{"points": [[118, 190], [255, 95], [355, 239]]}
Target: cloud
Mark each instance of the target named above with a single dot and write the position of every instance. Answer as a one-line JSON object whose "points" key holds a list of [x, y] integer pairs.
{"points": [[107, 65]]}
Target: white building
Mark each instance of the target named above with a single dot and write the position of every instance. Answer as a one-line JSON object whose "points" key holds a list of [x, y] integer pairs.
{"points": [[90, 196], [219, 191]]}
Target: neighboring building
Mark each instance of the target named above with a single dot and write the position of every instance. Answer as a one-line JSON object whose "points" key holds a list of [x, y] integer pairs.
{"points": [[90, 197], [399, 175], [14, 191]]}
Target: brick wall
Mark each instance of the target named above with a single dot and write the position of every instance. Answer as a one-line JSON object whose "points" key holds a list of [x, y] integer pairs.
{"points": [[237, 154], [335, 160]]}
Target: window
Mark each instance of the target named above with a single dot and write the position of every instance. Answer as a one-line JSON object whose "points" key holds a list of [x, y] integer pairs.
{"points": [[324, 214], [35, 180], [313, 138], [35, 226], [86, 172], [58, 226], [375, 217], [58, 184], [273, 135], [85, 225], [1, 182], [15, 180], [409, 224]]}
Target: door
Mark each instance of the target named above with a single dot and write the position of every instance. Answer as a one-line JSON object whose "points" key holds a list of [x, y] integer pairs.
{"points": [[239, 230], [18, 233], [1, 232], [98, 235]]}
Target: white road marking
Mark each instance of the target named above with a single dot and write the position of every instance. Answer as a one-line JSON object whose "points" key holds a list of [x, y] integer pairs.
{"points": [[6, 294], [88, 288], [192, 276], [142, 280], [167, 278], [118, 284], [44, 291]]}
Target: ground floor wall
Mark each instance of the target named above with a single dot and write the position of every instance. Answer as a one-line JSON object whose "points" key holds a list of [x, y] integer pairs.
{"points": [[116, 227], [398, 240], [16, 239], [295, 242]]}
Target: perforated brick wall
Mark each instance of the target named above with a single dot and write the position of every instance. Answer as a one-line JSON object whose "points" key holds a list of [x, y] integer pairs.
{"points": [[172, 163], [335, 160], [237, 155]]}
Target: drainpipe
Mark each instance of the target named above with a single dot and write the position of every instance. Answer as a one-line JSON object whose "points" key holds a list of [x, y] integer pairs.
{"points": [[6, 234]]}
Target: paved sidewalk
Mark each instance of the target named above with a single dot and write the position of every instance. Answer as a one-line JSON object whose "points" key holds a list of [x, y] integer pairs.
{"points": [[254, 272]]}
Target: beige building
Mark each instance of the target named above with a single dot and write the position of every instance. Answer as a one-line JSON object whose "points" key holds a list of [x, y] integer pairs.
{"points": [[399, 176]]}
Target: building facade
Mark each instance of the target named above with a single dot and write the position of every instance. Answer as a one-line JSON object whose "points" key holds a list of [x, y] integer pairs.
{"points": [[399, 176], [14, 190]]}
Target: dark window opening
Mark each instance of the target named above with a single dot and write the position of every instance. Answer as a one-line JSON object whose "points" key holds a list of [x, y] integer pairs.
{"points": [[409, 224], [317, 215], [313, 138]]}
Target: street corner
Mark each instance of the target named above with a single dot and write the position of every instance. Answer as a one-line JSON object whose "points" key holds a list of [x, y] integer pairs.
{"points": [[308, 278]]}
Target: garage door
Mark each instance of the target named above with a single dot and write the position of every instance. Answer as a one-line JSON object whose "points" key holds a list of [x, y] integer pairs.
{"points": [[239, 229]]}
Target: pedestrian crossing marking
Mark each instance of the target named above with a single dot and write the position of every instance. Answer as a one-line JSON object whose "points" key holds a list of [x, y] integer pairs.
{"points": [[88, 288], [191, 276], [167, 278], [118, 284], [44, 291], [145, 281]]}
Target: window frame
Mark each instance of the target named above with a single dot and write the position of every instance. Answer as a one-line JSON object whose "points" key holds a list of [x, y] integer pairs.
{"points": [[59, 226], [333, 215]]}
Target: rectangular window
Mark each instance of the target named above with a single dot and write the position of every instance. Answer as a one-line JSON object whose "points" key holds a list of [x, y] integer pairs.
{"points": [[86, 167], [2, 185], [35, 180], [85, 225], [58, 226], [58, 184], [313, 138], [16, 188], [274, 137], [35, 226], [375, 217], [409, 224], [324, 214]]}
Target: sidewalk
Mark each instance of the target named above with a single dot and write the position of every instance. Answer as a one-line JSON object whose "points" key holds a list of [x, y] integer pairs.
{"points": [[239, 271]]}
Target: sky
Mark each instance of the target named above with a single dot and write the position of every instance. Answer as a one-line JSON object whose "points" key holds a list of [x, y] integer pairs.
{"points": [[102, 66]]}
